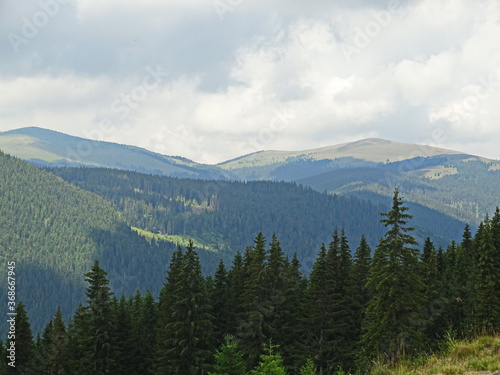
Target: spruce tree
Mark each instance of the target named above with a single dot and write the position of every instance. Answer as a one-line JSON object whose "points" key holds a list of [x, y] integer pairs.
{"points": [[276, 284], [392, 326], [488, 297], [229, 359], [23, 341], [125, 344], [220, 303], [433, 310], [359, 292], [236, 280], [186, 349], [79, 344], [146, 325], [256, 307], [316, 323], [271, 363], [102, 326], [290, 318], [168, 296], [57, 354]]}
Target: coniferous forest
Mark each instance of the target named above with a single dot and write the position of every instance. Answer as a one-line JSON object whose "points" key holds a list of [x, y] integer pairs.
{"points": [[261, 315]]}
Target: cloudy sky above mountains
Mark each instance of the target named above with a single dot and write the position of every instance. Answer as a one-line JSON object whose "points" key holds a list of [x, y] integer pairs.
{"points": [[213, 79]]}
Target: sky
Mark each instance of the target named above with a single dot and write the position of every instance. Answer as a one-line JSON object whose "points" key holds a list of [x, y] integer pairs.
{"points": [[211, 80]]}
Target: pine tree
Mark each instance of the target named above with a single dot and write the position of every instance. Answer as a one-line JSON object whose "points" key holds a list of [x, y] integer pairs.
{"points": [[79, 344], [147, 322], [186, 349], [276, 284], [220, 303], [168, 296], [393, 325], [236, 281], [125, 343], [255, 304], [101, 325], [57, 354], [433, 310], [488, 298], [270, 363], [308, 368], [229, 359], [290, 319], [23, 341], [359, 291], [316, 322]]}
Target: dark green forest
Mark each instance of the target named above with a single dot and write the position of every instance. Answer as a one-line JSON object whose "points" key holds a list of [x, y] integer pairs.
{"points": [[261, 314], [227, 214], [54, 231]]}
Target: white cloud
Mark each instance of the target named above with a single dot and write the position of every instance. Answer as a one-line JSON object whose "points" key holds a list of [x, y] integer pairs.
{"points": [[227, 83]]}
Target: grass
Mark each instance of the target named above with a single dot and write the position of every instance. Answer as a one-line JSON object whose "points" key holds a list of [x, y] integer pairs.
{"points": [[178, 240], [477, 357]]}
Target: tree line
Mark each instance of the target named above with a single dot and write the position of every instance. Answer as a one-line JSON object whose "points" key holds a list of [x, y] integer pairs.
{"points": [[264, 316]]}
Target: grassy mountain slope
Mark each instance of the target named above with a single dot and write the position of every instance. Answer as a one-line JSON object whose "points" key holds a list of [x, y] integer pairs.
{"points": [[369, 150], [53, 231], [47, 147], [478, 357]]}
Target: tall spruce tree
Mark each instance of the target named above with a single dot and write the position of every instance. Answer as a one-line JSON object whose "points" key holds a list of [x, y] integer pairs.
{"points": [[359, 290], [220, 302], [125, 343], [317, 321], [488, 298], [291, 316], [145, 328], [79, 344], [256, 307], [168, 296], [186, 349], [392, 326], [235, 280], [57, 353], [435, 324], [102, 323], [23, 341]]}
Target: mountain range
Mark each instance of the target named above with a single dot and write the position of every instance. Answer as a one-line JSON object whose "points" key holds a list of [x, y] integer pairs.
{"points": [[54, 222], [460, 185]]}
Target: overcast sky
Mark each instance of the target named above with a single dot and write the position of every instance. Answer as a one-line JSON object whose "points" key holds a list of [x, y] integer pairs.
{"points": [[213, 79]]}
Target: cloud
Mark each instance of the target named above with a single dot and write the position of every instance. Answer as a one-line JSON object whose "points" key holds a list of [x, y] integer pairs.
{"points": [[296, 77]]}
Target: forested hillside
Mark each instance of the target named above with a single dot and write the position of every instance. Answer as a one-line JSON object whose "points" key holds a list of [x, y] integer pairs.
{"points": [[260, 315], [53, 231], [225, 215]]}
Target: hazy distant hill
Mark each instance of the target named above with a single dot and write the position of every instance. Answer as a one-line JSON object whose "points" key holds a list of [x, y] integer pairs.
{"points": [[46, 147], [464, 186]]}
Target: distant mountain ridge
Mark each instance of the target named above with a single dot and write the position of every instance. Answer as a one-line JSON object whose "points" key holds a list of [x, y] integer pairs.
{"points": [[464, 186], [44, 147]]}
